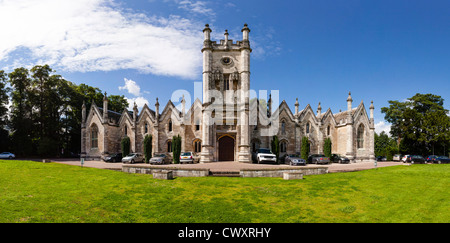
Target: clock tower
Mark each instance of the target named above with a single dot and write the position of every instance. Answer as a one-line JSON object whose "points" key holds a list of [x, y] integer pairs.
{"points": [[225, 111]]}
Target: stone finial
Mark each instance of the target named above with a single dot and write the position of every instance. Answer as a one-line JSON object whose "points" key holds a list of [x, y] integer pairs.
{"points": [[349, 97], [245, 32], [371, 105], [319, 109], [207, 32]]}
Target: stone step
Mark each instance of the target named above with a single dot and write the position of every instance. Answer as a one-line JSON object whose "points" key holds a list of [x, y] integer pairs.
{"points": [[224, 173]]}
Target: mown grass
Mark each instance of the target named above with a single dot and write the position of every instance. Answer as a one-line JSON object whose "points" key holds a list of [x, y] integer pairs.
{"points": [[38, 192]]}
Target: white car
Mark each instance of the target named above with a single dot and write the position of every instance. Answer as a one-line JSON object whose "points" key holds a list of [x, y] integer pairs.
{"points": [[7, 155], [264, 154]]}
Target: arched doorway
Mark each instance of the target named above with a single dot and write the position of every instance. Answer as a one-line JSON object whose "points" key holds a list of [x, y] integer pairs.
{"points": [[226, 148]]}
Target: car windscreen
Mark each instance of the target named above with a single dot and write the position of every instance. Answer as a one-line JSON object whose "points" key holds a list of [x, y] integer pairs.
{"points": [[265, 151]]}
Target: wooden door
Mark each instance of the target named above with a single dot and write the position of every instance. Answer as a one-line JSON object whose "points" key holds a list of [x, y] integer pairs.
{"points": [[226, 149]]}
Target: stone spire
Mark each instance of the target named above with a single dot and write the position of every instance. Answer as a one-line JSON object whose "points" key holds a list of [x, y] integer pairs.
{"points": [[319, 110], [245, 32], [349, 102], [105, 108], [135, 112], [372, 108], [296, 106], [157, 110]]}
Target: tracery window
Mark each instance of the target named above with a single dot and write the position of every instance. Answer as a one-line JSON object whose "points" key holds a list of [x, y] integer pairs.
{"points": [[360, 136], [94, 136]]}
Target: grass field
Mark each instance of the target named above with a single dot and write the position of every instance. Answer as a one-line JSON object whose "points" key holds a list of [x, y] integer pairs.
{"points": [[51, 192]]}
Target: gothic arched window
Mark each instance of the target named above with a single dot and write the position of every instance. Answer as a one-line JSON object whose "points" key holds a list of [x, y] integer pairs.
{"points": [[307, 127], [170, 125], [283, 146], [197, 146], [169, 146], [328, 130], [283, 127], [360, 136], [94, 136], [145, 128]]}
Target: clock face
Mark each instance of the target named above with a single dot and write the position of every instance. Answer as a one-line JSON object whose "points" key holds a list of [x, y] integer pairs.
{"points": [[226, 61]]}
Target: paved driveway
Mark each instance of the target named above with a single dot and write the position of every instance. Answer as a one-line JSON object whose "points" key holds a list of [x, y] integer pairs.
{"points": [[236, 166]]}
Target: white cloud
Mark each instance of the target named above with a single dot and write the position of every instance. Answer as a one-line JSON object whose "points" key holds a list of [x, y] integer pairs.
{"points": [[140, 102], [132, 87], [382, 126], [97, 35], [196, 7]]}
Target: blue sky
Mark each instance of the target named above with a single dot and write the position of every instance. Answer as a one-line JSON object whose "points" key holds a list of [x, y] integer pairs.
{"points": [[313, 50]]}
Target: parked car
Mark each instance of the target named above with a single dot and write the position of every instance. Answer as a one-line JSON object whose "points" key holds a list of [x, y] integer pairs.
{"points": [[442, 160], [381, 158], [264, 154], [406, 157], [159, 159], [416, 159], [432, 158], [133, 158], [319, 159], [7, 155], [397, 157], [113, 158], [294, 159], [187, 157], [337, 158]]}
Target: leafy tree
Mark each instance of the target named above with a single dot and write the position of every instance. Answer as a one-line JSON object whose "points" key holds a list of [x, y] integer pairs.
{"points": [[327, 147], [4, 135], [305, 148], [148, 147], [176, 149], [125, 146], [421, 124], [275, 145], [20, 123]]}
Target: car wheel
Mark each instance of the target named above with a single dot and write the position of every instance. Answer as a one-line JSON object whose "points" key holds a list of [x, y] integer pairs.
{"points": [[340, 161], [132, 161], [10, 157]]}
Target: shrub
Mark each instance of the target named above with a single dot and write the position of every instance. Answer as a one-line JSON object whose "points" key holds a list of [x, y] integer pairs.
{"points": [[148, 147], [327, 147], [125, 145], [305, 148], [276, 147], [176, 149]]}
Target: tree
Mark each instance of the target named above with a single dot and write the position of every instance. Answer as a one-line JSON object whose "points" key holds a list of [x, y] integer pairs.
{"points": [[125, 145], [327, 147], [276, 147], [176, 149], [421, 124], [4, 135], [305, 148], [20, 123], [148, 147]]}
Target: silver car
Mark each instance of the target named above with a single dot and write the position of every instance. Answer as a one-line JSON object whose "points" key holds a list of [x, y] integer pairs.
{"points": [[187, 157], [293, 159], [133, 158], [7, 155], [159, 159]]}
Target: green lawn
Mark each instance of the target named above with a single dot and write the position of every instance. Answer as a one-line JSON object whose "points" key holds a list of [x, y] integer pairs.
{"points": [[38, 192]]}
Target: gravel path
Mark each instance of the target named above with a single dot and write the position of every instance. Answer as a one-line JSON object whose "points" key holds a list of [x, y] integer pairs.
{"points": [[235, 166]]}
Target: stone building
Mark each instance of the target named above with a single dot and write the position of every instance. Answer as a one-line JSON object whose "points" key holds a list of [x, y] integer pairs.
{"points": [[227, 125]]}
